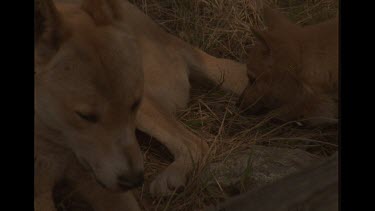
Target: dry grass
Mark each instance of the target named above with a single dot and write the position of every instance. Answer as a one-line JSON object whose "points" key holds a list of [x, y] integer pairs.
{"points": [[223, 28], [214, 117]]}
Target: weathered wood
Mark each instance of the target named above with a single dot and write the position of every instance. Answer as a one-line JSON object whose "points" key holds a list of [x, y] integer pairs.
{"points": [[255, 167], [312, 189]]}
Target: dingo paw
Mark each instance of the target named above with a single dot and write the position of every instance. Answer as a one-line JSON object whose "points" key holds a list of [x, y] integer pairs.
{"points": [[172, 179]]}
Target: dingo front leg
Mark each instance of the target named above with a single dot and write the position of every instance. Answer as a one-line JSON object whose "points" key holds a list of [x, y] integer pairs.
{"points": [[186, 148]]}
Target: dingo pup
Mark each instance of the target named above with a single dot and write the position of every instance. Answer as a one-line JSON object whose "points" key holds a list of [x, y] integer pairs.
{"points": [[294, 69]]}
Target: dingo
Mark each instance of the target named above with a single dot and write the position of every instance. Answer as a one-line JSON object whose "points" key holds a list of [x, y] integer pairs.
{"points": [[103, 69], [294, 69]]}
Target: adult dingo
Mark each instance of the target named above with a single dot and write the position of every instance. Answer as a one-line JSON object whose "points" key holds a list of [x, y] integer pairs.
{"points": [[103, 69]]}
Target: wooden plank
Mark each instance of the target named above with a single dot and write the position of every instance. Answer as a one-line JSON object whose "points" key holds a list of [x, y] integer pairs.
{"points": [[314, 189]]}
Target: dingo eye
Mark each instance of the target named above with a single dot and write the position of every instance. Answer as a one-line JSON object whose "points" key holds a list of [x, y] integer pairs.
{"points": [[88, 117]]}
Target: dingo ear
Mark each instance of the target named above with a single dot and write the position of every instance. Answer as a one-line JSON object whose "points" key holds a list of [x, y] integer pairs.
{"points": [[273, 19], [103, 12], [48, 25]]}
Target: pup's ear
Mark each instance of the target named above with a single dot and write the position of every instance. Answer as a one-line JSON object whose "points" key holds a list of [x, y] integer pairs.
{"points": [[273, 19], [48, 28], [103, 12]]}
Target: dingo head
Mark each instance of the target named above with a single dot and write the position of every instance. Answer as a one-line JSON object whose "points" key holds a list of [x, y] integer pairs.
{"points": [[286, 73], [88, 87]]}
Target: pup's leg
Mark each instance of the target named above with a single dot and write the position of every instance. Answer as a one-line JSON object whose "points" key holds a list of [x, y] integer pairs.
{"points": [[315, 109], [104, 200], [186, 148], [44, 202], [46, 175], [99, 198]]}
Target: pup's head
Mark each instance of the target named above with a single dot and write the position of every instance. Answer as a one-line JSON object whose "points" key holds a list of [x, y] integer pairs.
{"points": [[274, 71], [88, 88]]}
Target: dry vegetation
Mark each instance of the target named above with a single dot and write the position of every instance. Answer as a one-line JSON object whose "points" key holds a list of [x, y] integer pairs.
{"points": [[223, 28]]}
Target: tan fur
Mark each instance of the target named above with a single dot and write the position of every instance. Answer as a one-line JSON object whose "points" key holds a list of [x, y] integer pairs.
{"points": [[294, 69], [93, 63]]}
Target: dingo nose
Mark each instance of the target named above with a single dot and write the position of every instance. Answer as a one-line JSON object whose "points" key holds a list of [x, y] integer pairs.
{"points": [[127, 182]]}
